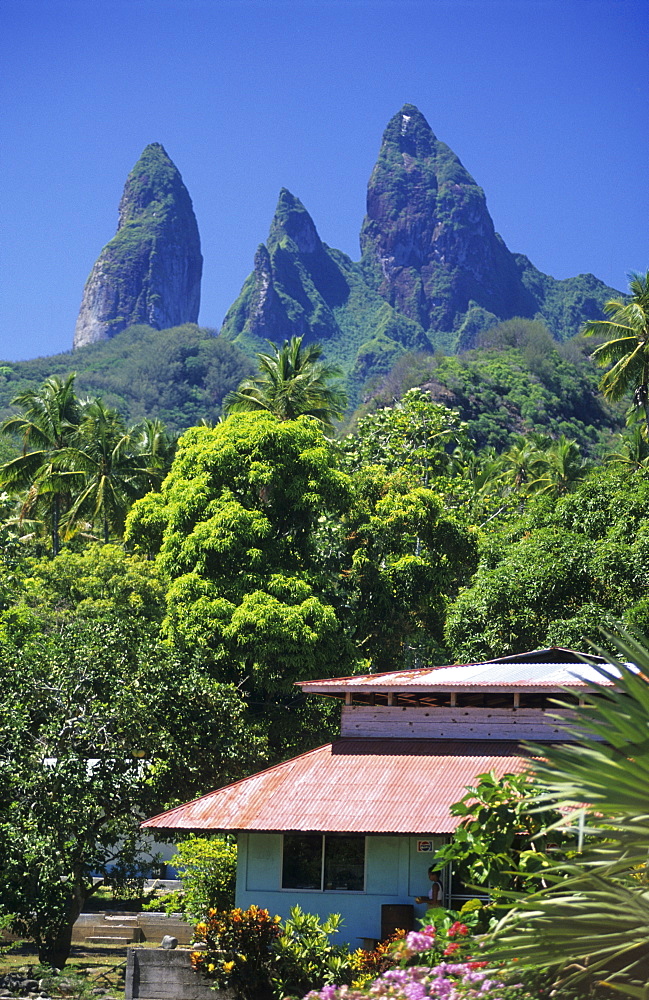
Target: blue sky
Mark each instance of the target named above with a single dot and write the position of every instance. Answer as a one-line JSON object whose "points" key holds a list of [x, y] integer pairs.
{"points": [[544, 101]]}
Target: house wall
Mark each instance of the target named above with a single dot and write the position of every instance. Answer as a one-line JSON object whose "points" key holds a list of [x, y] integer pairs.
{"points": [[387, 722], [395, 872]]}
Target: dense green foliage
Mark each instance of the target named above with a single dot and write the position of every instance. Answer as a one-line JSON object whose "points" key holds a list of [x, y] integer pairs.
{"points": [[207, 867], [589, 923], [234, 527], [179, 376], [98, 726], [500, 845], [271, 553], [518, 380], [259, 957], [553, 574]]}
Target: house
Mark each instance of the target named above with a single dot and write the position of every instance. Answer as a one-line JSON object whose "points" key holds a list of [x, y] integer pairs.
{"points": [[353, 826]]}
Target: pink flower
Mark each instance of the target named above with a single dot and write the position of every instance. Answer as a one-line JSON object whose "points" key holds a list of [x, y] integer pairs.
{"points": [[417, 941]]}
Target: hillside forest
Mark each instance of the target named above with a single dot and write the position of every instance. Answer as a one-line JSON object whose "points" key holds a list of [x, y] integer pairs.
{"points": [[160, 594]]}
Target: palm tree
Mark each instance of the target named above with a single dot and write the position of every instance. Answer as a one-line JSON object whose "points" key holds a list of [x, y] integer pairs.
{"points": [[627, 345], [559, 469], [115, 471], [523, 460], [293, 382], [591, 922], [154, 449], [632, 449], [49, 419]]}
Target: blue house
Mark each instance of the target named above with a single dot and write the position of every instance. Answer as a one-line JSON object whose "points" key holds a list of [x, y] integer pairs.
{"points": [[352, 827]]}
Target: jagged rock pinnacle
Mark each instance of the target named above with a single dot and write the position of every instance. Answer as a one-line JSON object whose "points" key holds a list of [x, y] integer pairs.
{"points": [[428, 234], [150, 272]]}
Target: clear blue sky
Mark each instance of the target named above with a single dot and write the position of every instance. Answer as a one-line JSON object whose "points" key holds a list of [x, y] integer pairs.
{"points": [[544, 101]]}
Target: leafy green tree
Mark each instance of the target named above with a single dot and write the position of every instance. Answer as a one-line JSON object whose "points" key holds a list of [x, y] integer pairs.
{"points": [[510, 606], [101, 581], [293, 382], [558, 568], [590, 922], [404, 556], [50, 417], [97, 729], [414, 435], [233, 528], [627, 345]]}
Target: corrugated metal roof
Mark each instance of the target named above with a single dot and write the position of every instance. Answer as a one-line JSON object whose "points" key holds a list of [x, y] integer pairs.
{"points": [[489, 676], [351, 786]]}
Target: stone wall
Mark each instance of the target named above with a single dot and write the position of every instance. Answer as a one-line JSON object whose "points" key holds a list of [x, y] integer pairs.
{"points": [[158, 974]]}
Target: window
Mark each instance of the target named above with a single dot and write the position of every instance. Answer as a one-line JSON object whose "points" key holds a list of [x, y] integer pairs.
{"points": [[323, 862]]}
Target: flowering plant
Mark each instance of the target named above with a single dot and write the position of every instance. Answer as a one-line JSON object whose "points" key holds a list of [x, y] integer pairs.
{"points": [[235, 948], [433, 962]]}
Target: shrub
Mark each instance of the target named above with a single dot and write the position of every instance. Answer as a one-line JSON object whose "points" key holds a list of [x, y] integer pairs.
{"points": [[237, 949], [306, 959], [208, 868]]}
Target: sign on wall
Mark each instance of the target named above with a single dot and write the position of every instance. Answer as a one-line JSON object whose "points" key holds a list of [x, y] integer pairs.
{"points": [[424, 847]]}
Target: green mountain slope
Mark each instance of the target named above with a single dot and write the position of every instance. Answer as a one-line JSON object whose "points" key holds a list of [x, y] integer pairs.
{"points": [[301, 287], [518, 381], [179, 375]]}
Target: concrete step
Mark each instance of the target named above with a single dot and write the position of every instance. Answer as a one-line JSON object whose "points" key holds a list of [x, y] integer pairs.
{"points": [[131, 933], [122, 919], [102, 939]]}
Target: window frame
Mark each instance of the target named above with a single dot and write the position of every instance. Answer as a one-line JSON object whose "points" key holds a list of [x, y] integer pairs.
{"points": [[323, 839]]}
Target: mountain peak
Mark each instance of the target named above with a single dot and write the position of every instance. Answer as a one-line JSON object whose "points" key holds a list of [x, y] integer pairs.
{"points": [[292, 219], [409, 131], [428, 235], [150, 272]]}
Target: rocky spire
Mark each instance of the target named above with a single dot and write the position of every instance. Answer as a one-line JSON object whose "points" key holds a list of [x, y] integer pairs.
{"points": [[150, 272], [295, 285], [292, 219], [428, 235]]}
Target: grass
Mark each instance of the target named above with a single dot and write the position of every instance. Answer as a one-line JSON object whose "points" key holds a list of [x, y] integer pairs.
{"points": [[102, 965]]}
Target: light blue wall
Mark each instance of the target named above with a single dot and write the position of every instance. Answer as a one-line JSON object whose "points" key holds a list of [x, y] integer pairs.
{"points": [[395, 872]]}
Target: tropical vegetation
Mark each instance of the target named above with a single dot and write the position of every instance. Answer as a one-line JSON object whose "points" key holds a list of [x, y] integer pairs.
{"points": [[474, 507], [293, 382], [626, 348]]}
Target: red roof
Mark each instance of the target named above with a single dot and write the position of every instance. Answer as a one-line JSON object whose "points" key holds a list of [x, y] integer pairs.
{"points": [[351, 786]]}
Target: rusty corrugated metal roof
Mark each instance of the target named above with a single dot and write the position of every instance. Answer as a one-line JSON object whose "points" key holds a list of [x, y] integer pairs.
{"points": [[495, 675], [351, 786]]}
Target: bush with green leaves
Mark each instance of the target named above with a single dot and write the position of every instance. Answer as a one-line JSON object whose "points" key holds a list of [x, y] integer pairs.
{"points": [[208, 869], [235, 950], [305, 958], [500, 845]]}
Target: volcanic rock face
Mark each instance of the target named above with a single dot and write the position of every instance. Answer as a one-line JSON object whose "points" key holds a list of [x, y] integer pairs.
{"points": [[150, 272], [428, 236], [295, 285], [433, 273]]}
